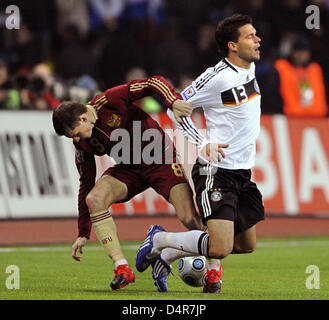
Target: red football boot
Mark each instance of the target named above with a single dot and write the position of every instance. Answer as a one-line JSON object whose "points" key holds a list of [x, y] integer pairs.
{"points": [[213, 281], [123, 276]]}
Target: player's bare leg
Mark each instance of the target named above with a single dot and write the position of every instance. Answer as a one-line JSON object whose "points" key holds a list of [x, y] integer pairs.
{"points": [[181, 197], [221, 235], [245, 242], [107, 191]]}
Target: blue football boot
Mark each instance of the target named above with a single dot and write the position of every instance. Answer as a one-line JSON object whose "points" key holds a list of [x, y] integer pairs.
{"points": [[145, 255], [160, 273]]}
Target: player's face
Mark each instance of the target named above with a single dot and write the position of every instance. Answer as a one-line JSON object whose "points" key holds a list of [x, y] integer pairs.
{"points": [[247, 47], [83, 130]]}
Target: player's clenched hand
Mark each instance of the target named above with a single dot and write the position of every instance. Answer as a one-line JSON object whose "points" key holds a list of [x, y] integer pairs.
{"points": [[214, 151], [77, 246], [180, 109]]}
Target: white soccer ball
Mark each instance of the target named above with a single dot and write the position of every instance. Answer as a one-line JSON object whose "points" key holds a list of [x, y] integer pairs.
{"points": [[192, 270]]}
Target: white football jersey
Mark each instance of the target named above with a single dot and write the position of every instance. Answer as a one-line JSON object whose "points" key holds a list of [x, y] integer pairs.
{"points": [[230, 98]]}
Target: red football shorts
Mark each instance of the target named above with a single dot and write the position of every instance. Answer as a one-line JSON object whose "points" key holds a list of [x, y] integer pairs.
{"points": [[138, 178]]}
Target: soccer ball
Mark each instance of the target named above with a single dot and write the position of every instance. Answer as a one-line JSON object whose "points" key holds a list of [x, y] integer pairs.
{"points": [[192, 270]]}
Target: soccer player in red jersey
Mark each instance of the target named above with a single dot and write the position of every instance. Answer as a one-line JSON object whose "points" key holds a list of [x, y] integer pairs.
{"points": [[113, 124]]}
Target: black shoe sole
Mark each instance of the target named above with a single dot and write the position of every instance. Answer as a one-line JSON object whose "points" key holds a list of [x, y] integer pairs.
{"points": [[119, 281], [215, 288]]}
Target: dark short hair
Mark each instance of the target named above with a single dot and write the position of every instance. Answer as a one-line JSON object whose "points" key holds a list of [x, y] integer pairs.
{"points": [[66, 116], [228, 30]]}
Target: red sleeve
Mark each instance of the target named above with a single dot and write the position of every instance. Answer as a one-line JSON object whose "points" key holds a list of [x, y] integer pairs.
{"points": [[153, 85], [135, 90], [86, 166]]}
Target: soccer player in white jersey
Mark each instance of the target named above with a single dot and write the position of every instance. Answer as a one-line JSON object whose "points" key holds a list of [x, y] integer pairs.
{"points": [[229, 202]]}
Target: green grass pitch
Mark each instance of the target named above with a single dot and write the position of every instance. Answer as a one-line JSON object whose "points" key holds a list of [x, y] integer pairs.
{"points": [[277, 270]]}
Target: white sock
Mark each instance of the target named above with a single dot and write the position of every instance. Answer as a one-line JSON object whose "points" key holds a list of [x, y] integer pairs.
{"points": [[213, 264], [119, 262], [170, 255], [185, 241]]}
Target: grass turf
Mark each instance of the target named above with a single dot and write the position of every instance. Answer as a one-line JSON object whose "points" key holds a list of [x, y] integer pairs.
{"points": [[275, 271]]}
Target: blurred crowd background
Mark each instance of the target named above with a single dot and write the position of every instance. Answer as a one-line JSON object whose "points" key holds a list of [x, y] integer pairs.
{"points": [[73, 49]]}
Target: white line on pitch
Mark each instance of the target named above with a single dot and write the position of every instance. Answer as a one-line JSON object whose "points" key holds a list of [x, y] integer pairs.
{"points": [[261, 244]]}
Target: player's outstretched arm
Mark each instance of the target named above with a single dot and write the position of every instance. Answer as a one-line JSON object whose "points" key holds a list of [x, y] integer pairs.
{"points": [[149, 86], [86, 166], [77, 247]]}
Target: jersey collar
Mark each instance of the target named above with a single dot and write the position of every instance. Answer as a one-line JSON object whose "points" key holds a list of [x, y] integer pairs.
{"points": [[234, 67], [230, 65]]}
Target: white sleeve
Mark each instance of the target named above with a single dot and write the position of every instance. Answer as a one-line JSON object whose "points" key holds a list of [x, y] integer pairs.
{"points": [[199, 96], [189, 130]]}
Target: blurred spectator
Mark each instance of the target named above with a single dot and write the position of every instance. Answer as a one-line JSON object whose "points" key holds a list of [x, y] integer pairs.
{"points": [[27, 91], [288, 15], [320, 40], [9, 98], [173, 55], [39, 96], [83, 89], [143, 13], [188, 14], [23, 50], [301, 82], [43, 71], [121, 52], [205, 49], [74, 58], [106, 12], [4, 76], [286, 43], [41, 82], [131, 42], [91, 45], [30, 44], [135, 73], [143, 18], [72, 13]]}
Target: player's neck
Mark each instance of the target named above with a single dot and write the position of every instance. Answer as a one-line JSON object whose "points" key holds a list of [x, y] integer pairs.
{"points": [[237, 61]]}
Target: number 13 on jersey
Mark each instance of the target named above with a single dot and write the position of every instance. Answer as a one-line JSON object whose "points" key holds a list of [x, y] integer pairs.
{"points": [[240, 95]]}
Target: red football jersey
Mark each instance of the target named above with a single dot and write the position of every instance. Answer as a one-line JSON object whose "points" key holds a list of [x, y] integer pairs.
{"points": [[115, 109]]}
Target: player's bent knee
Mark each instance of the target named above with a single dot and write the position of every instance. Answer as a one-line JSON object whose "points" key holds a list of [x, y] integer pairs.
{"points": [[187, 223], [190, 220], [250, 249], [95, 201], [218, 252], [244, 249], [190, 223]]}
